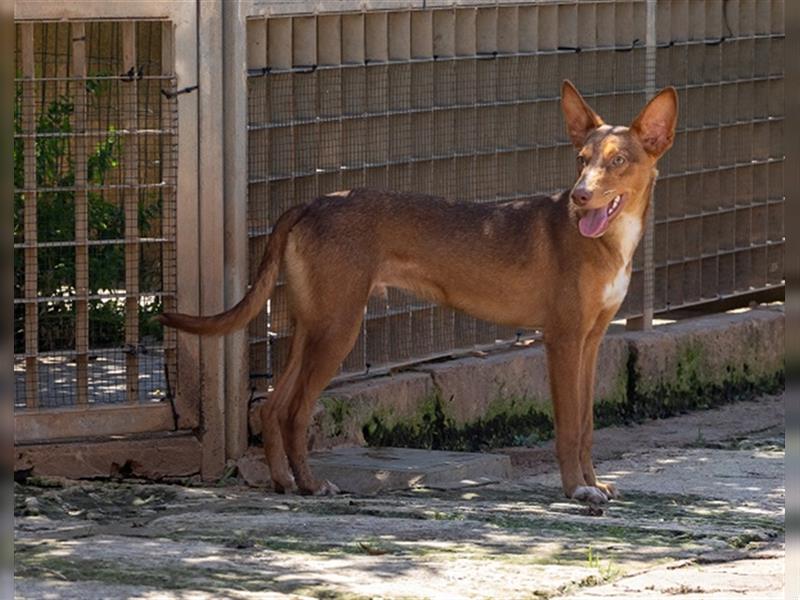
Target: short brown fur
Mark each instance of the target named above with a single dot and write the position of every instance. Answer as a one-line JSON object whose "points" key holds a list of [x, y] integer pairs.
{"points": [[522, 263]]}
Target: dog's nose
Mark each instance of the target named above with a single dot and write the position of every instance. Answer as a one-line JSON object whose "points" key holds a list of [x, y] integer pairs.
{"points": [[581, 196]]}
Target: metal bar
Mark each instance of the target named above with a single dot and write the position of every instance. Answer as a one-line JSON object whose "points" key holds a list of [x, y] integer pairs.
{"points": [[100, 188], [122, 133], [307, 69], [492, 152], [78, 36], [113, 242], [75, 78], [645, 322], [106, 296], [31, 252], [499, 104], [649, 234], [130, 165], [168, 225], [142, 348]]}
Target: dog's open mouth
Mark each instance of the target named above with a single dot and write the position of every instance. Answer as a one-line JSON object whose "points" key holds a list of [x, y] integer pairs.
{"points": [[594, 222]]}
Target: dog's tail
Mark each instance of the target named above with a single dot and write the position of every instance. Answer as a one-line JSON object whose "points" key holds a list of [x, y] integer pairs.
{"points": [[248, 307]]}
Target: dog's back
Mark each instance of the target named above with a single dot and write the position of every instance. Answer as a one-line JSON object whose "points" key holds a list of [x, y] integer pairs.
{"points": [[471, 256]]}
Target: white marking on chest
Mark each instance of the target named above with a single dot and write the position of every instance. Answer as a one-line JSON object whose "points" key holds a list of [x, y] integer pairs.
{"points": [[630, 231], [614, 291]]}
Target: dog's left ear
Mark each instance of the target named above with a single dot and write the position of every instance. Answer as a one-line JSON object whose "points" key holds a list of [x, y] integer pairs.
{"points": [[655, 125], [580, 118]]}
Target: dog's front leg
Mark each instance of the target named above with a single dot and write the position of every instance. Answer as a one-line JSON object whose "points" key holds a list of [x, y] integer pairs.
{"points": [[564, 354], [587, 384]]}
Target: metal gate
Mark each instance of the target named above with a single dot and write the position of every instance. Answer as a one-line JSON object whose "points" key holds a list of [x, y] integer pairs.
{"points": [[98, 193]]}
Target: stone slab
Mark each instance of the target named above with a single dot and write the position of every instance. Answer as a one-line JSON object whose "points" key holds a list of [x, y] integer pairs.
{"points": [[372, 470]]}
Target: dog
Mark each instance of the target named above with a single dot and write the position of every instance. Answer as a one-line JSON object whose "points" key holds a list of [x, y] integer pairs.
{"points": [[561, 264]]}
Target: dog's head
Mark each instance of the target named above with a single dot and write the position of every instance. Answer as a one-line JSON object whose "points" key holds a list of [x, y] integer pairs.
{"points": [[615, 163]]}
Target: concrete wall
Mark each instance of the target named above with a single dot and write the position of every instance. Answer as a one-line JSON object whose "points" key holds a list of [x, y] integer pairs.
{"points": [[504, 398]]}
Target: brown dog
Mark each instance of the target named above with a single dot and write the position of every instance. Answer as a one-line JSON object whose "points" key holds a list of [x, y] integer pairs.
{"points": [[564, 264]]}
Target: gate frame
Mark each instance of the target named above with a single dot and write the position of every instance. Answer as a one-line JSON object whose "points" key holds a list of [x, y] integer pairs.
{"points": [[198, 406]]}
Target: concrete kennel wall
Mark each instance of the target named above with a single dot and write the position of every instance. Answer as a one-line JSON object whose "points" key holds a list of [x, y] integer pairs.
{"points": [[504, 399]]}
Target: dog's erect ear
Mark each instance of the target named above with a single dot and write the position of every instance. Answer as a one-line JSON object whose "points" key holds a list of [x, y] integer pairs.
{"points": [[580, 118], [655, 125]]}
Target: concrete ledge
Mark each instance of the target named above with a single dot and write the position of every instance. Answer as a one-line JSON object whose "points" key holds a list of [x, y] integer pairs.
{"points": [[516, 382], [154, 457], [704, 362], [504, 399], [342, 413], [712, 349]]}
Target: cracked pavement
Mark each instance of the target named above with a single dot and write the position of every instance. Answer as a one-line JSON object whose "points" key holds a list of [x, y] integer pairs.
{"points": [[702, 516]]}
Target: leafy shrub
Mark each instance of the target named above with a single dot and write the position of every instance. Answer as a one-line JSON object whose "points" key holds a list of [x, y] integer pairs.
{"points": [[55, 216]]}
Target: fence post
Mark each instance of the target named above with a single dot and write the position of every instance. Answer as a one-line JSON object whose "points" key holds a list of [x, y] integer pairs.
{"points": [[645, 322], [234, 79], [211, 212], [30, 224], [78, 71]]}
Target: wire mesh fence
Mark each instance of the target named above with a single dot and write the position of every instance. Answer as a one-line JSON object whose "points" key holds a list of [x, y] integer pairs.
{"points": [[94, 213], [459, 102], [463, 103], [719, 201]]}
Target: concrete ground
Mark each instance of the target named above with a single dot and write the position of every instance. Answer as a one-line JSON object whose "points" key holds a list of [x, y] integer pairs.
{"points": [[702, 517]]}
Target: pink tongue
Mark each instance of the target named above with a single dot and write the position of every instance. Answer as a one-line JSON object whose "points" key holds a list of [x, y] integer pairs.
{"points": [[594, 222]]}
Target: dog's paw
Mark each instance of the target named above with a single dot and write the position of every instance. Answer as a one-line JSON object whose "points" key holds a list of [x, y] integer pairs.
{"points": [[589, 495], [610, 490], [283, 487], [326, 488]]}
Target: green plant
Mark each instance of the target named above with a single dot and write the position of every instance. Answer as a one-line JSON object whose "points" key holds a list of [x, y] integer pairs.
{"points": [[55, 218]]}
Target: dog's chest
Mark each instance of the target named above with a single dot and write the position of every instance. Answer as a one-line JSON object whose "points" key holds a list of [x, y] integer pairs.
{"points": [[614, 291]]}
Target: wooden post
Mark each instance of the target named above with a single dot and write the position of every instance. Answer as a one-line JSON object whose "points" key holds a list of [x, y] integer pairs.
{"points": [[78, 35], [236, 44], [645, 322], [212, 234], [187, 240], [130, 166], [29, 222]]}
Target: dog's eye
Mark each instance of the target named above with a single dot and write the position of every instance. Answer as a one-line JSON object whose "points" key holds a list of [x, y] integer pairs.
{"points": [[618, 160], [582, 162]]}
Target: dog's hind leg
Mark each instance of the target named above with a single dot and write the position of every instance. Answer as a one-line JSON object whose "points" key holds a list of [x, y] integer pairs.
{"points": [[273, 417], [323, 353]]}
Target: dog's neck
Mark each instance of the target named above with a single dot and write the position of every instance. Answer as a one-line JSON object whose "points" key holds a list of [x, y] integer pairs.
{"points": [[626, 231]]}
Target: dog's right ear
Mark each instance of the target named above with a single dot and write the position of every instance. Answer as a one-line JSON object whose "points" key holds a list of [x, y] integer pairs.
{"points": [[581, 120]]}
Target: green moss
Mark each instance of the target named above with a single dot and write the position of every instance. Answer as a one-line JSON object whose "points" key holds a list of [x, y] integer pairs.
{"points": [[612, 408], [433, 429], [695, 385], [515, 421], [337, 410]]}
